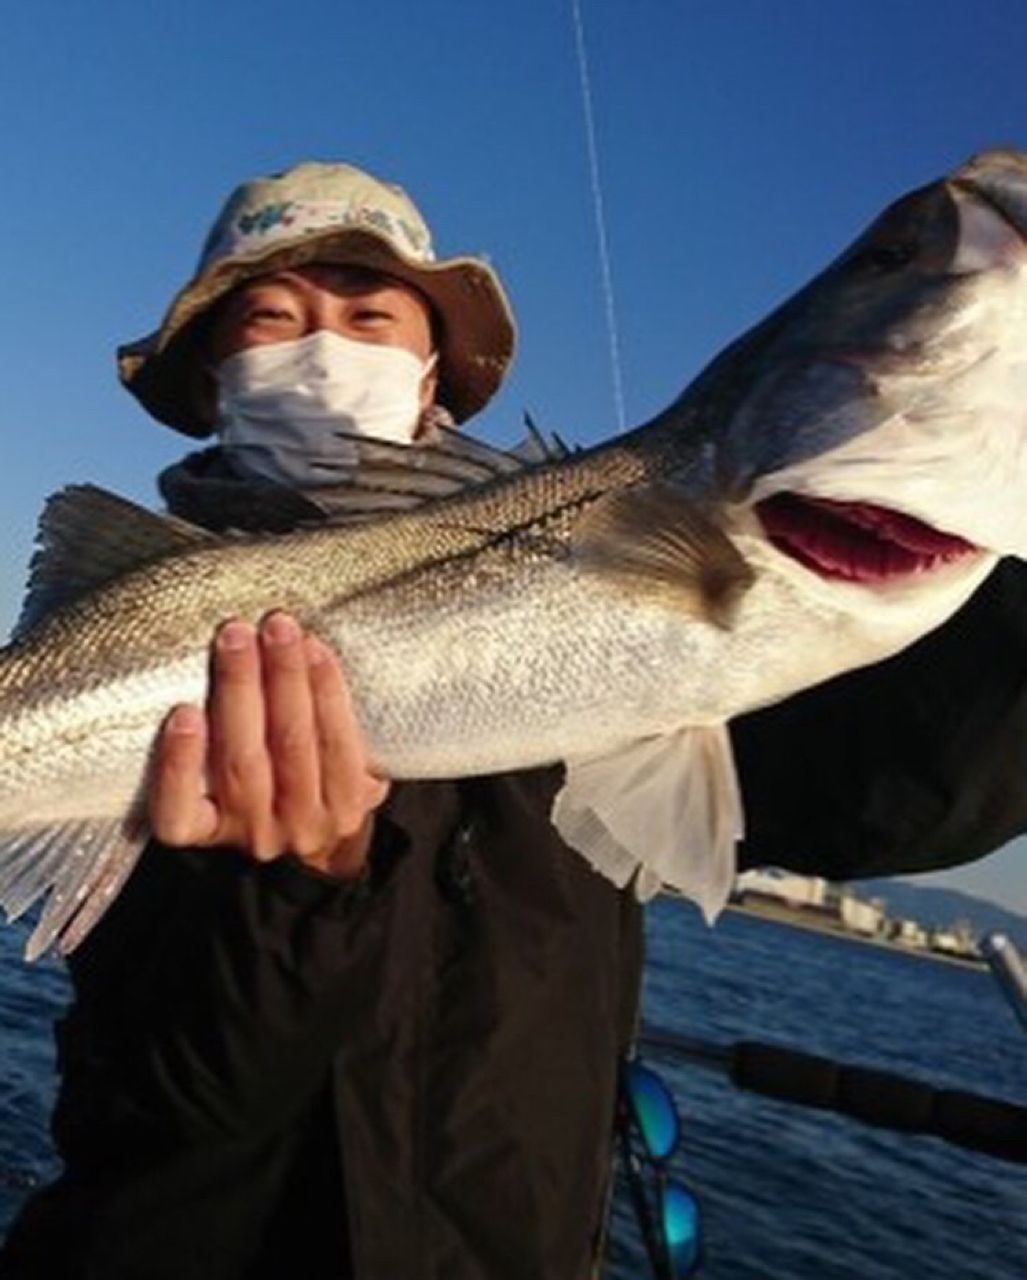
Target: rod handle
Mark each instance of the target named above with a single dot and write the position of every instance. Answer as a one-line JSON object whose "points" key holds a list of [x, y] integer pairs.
{"points": [[881, 1098]]}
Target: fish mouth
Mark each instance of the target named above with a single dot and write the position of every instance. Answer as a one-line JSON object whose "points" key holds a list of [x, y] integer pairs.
{"points": [[856, 541]]}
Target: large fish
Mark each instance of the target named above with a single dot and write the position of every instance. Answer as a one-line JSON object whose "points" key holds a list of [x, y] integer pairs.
{"points": [[833, 486]]}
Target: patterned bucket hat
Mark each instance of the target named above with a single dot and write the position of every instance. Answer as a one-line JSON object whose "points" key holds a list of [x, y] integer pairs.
{"points": [[331, 213]]}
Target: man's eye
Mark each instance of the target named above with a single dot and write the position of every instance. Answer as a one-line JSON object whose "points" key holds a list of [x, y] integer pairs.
{"points": [[372, 315], [260, 314]]}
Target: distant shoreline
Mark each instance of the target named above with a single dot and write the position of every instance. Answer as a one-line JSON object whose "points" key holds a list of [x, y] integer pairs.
{"points": [[813, 924]]}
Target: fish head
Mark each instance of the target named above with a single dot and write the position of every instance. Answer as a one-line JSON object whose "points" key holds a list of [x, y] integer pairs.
{"points": [[877, 421]]}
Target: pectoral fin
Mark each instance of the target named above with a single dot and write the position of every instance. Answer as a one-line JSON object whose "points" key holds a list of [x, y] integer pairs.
{"points": [[656, 542], [666, 811]]}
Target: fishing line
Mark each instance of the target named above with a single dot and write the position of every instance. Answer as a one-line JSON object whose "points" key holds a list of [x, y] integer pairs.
{"points": [[606, 276]]}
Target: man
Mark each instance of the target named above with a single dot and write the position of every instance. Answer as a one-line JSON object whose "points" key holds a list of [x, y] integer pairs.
{"points": [[361, 1039], [370, 1032], [287, 767]]}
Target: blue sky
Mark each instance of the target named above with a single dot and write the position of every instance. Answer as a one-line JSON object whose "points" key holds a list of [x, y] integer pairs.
{"points": [[741, 144]]}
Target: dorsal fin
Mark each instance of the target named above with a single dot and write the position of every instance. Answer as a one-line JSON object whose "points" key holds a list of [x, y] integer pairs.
{"points": [[87, 537], [378, 477], [536, 447]]}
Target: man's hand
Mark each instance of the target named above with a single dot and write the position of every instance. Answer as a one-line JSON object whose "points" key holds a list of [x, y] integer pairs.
{"points": [[277, 764]]}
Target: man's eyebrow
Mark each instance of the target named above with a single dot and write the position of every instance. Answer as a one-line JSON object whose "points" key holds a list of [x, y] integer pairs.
{"points": [[360, 283], [267, 282]]}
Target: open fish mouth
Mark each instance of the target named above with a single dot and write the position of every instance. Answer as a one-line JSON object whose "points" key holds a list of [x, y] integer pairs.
{"points": [[856, 541]]}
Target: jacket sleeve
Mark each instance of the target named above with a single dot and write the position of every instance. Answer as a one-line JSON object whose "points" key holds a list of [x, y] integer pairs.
{"points": [[915, 763], [211, 998]]}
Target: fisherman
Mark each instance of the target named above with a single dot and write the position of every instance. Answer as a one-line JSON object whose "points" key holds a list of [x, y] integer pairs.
{"points": [[370, 1029]]}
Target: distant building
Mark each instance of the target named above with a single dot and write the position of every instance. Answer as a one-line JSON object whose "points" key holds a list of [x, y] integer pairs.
{"points": [[910, 933], [956, 940], [859, 916], [836, 907], [785, 886]]}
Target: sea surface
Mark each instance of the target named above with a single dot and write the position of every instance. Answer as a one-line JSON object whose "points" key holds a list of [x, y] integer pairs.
{"points": [[788, 1193]]}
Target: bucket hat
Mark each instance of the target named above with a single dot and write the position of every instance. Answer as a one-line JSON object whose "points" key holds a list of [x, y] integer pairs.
{"points": [[330, 213]]}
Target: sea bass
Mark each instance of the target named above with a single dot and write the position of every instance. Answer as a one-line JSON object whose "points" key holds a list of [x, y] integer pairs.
{"points": [[833, 486]]}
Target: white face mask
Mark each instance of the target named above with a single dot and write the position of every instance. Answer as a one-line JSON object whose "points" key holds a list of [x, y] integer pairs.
{"points": [[282, 406]]}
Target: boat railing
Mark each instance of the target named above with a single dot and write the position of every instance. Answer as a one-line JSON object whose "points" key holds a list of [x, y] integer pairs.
{"points": [[882, 1098], [1010, 971]]}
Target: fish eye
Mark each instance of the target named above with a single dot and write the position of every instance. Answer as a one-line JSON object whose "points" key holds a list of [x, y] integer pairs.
{"points": [[890, 257], [885, 256]]}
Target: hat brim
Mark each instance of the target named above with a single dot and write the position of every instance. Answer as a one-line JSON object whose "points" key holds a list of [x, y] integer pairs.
{"points": [[475, 341]]}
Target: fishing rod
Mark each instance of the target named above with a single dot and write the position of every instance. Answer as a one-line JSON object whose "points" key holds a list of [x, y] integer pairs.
{"points": [[599, 212], [881, 1098]]}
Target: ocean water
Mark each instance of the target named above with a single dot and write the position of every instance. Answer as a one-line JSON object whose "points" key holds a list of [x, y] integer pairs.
{"points": [[792, 1193], [31, 997], [788, 1193]]}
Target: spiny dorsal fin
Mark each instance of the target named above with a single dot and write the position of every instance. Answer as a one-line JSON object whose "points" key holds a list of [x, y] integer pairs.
{"points": [[378, 477], [535, 447], [86, 537], [658, 543]]}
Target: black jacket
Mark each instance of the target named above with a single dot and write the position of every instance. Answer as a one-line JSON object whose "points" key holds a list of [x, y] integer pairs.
{"points": [[913, 764], [443, 1042]]}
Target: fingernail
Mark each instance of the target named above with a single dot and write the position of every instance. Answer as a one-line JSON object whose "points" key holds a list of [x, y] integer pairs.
{"points": [[279, 628], [234, 636], [186, 721]]}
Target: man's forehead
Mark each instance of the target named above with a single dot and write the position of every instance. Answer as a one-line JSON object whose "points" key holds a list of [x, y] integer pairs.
{"points": [[349, 279]]}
